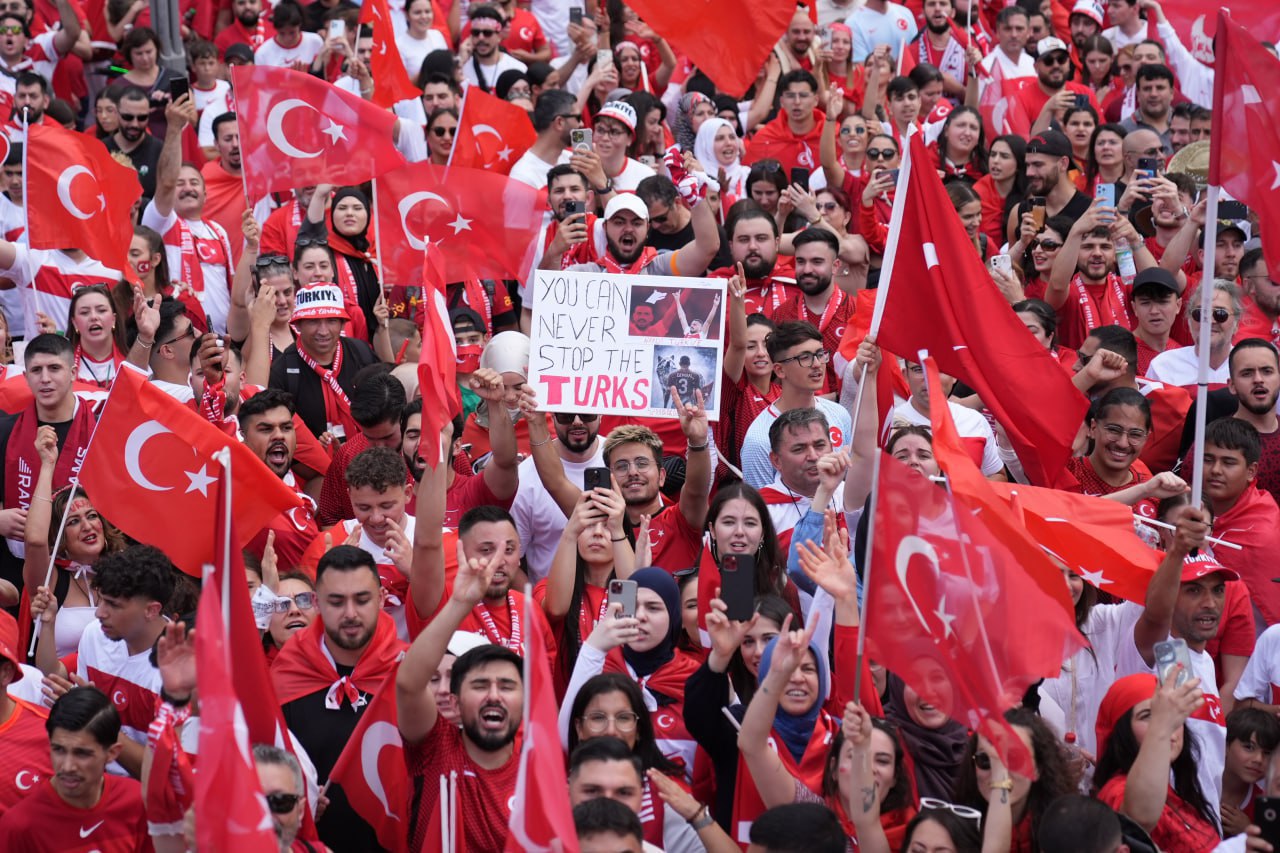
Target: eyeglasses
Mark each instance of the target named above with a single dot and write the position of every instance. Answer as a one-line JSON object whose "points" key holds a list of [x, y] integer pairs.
{"points": [[485, 33], [285, 603], [281, 803], [1117, 431], [962, 812], [1046, 244], [11, 30], [613, 132], [270, 261], [567, 418], [881, 153], [442, 132], [598, 721], [828, 206], [1220, 315], [625, 466], [517, 94], [189, 333], [807, 359], [855, 131], [135, 119]]}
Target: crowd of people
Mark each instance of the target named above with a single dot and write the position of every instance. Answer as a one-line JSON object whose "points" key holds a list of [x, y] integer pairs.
{"points": [[691, 716]]}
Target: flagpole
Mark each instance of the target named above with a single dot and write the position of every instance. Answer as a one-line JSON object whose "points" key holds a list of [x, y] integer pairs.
{"points": [[223, 458], [1202, 347], [860, 657], [891, 241], [446, 811], [377, 242], [462, 116], [244, 173], [26, 185]]}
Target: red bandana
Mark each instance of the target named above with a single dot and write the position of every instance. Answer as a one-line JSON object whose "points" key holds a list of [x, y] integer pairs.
{"points": [[303, 667], [647, 254]]}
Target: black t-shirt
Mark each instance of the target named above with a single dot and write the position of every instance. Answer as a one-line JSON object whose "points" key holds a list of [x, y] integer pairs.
{"points": [[686, 382], [145, 159], [290, 373], [1074, 209], [682, 238], [324, 733]]}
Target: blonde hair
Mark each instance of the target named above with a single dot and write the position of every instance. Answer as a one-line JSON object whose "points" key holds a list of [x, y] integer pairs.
{"points": [[633, 434]]}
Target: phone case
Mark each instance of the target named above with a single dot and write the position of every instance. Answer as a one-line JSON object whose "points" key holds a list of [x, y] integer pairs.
{"points": [[738, 585], [623, 592]]}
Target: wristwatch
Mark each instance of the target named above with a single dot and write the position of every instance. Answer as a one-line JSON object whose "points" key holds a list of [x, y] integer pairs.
{"points": [[701, 819], [607, 188]]}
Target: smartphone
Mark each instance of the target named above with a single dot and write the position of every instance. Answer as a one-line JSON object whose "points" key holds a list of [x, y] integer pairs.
{"points": [[738, 585], [1038, 207], [1233, 210], [1266, 814], [575, 16], [1002, 262], [1081, 101], [825, 34], [337, 29], [649, 160], [580, 139], [1170, 653], [1149, 165], [596, 478], [893, 173], [800, 177], [623, 592], [1105, 194], [603, 58], [178, 87], [571, 208]]}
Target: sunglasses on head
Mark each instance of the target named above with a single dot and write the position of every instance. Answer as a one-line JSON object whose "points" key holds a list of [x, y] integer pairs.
{"points": [[881, 153], [304, 242], [281, 803], [271, 260], [565, 419], [1220, 315]]}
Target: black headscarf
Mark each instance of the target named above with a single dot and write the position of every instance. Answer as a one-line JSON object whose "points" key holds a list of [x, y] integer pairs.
{"points": [[359, 242], [936, 753]]}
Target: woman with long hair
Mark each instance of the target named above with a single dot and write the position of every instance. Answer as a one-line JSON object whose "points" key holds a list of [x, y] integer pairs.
{"points": [[969, 208], [442, 128], [838, 72], [1079, 123], [1106, 160], [843, 144], [1099, 66], [1003, 185], [738, 522], [1035, 251], [1148, 761], [961, 145], [150, 264], [348, 232], [419, 37], [883, 158], [977, 785], [651, 133], [1042, 322], [96, 329]]}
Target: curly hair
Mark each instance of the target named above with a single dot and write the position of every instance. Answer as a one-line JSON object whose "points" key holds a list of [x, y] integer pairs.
{"points": [[113, 539]]}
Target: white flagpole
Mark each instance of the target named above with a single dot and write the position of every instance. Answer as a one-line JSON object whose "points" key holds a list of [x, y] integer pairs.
{"points": [[223, 458], [891, 240], [445, 813], [1202, 347]]}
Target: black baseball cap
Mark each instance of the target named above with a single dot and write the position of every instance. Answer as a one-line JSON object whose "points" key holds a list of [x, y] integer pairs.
{"points": [[1051, 142], [466, 320], [1153, 280]]}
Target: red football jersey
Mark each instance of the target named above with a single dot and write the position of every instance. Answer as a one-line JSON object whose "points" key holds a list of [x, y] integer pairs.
{"points": [[45, 823], [24, 753]]}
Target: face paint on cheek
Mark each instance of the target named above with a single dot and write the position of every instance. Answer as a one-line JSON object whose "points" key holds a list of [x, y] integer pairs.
{"points": [[143, 267]]}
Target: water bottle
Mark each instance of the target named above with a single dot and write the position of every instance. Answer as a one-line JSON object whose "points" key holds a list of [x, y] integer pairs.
{"points": [[1124, 261], [1073, 751]]}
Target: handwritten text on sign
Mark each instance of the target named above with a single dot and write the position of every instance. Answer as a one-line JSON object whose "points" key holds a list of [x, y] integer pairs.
{"points": [[625, 344]]}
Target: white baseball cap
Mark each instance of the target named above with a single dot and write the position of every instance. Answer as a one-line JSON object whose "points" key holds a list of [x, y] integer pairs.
{"points": [[1049, 44], [626, 201], [1091, 9], [619, 111], [319, 301]]}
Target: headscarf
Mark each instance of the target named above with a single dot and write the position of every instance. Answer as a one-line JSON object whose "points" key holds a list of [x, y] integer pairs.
{"points": [[682, 121], [936, 753], [358, 242], [1123, 696], [704, 150], [797, 729], [507, 79], [656, 579]]}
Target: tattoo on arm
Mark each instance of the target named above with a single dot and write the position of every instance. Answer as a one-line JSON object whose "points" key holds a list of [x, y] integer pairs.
{"points": [[868, 798], [1004, 797]]}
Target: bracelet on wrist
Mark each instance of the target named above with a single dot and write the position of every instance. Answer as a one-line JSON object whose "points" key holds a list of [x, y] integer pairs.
{"points": [[1005, 785], [701, 818], [146, 344], [546, 440], [693, 448], [617, 539]]}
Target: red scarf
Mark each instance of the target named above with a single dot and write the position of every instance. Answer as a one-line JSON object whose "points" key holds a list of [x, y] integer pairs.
{"points": [[1113, 310], [490, 627], [117, 358], [668, 679], [22, 462], [303, 667], [337, 406], [747, 805], [356, 327], [192, 272], [647, 254]]}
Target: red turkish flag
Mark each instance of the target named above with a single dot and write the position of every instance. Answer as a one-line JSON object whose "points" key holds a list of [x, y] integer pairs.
{"points": [[375, 779], [1244, 146], [391, 83], [541, 818], [1092, 535], [492, 134], [297, 130], [233, 812], [702, 30], [1194, 22], [437, 360], [484, 225], [1002, 112], [154, 456], [85, 197], [940, 298]]}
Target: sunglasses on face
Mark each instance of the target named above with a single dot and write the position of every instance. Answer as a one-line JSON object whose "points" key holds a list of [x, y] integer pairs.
{"points": [[1220, 315], [444, 131], [1055, 59], [134, 119], [485, 33], [567, 419], [10, 30], [285, 603], [1046, 244], [282, 803], [881, 153]]}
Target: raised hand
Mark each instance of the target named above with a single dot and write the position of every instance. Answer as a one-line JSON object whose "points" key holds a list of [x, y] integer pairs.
{"points": [[176, 660], [614, 630]]}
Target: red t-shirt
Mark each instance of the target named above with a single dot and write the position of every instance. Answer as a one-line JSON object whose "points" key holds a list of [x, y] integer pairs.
{"points": [[740, 402], [676, 545], [484, 793], [1082, 479], [44, 821], [1236, 634], [1033, 98], [831, 324], [24, 754], [1146, 353], [468, 492], [1180, 829]]}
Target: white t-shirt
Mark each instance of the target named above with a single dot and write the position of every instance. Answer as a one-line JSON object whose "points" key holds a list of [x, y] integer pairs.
{"points": [[413, 51], [757, 470], [506, 62], [969, 424], [273, 53], [539, 521], [46, 278], [631, 175], [553, 17], [216, 265], [1181, 367], [1261, 678], [532, 170], [212, 109], [831, 12], [181, 393], [216, 95], [131, 682], [895, 27], [1118, 39], [1024, 67]]}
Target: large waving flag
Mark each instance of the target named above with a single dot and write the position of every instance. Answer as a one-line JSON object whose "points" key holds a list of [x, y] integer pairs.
{"points": [[437, 360], [492, 134], [391, 83]]}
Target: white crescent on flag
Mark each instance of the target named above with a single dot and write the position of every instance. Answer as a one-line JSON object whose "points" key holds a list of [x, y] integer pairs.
{"points": [[406, 205], [276, 133]]}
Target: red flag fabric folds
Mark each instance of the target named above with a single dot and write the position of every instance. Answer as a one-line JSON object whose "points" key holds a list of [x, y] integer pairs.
{"points": [[705, 31], [154, 457], [968, 327], [483, 224], [297, 130], [437, 360], [391, 83], [374, 777], [541, 818], [1244, 147], [80, 196], [1194, 22], [492, 134], [1002, 112]]}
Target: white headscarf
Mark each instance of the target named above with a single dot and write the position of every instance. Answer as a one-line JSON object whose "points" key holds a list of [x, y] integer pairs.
{"points": [[704, 150]]}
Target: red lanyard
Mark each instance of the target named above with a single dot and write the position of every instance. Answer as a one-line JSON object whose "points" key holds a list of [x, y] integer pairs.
{"points": [[491, 628]]}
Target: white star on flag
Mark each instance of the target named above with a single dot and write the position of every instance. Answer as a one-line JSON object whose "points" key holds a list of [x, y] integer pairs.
{"points": [[945, 617], [505, 154], [200, 480], [1274, 183], [1094, 578], [335, 132], [459, 225]]}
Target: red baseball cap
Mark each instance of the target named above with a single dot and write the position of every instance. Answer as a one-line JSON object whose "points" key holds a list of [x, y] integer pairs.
{"points": [[1194, 568], [1121, 698]]}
